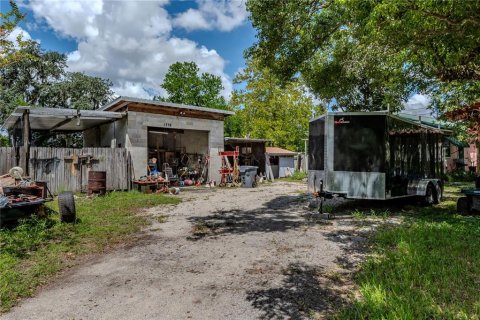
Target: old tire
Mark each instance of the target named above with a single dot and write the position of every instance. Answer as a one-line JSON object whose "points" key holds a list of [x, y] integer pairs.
{"points": [[463, 206], [66, 206]]}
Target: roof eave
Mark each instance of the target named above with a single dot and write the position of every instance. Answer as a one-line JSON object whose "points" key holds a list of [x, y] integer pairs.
{"points": [[120, 99]]}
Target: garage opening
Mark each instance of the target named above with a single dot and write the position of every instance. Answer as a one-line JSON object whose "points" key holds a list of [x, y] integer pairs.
{"points": [[180, 155]]}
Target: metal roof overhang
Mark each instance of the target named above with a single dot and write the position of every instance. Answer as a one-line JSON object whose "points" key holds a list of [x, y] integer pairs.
{"points": [[54, 119], [244, 140], [122, 101], [433, 127]]}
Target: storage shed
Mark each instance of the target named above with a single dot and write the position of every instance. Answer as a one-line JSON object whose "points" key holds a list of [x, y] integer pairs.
{"points": [[252, 151], [282, 161]]}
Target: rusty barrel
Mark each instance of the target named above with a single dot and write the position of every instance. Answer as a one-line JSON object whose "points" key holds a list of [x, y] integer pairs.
{"points": [[97, 182]]}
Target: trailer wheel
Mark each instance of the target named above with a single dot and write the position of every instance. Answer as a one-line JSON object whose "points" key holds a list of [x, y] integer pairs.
{"points": [[429, 197], [463, 207], [66, 206], [438, 195]]}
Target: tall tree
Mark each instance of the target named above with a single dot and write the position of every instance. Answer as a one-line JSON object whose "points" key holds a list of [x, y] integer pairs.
{"points": [[42, 80], [185, 84], [372, 52], [269, 110]]}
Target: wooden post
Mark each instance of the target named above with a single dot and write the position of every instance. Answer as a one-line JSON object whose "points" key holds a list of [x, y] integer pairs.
{"points": [[268, 168], [477, 145], [26, 142]]}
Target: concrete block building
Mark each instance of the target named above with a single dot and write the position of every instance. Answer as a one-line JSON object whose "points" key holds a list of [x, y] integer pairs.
{"points": [[174, 134]]}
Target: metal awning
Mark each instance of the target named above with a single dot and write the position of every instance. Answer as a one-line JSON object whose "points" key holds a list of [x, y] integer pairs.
{"points": [[457, 143], [54, 119]]}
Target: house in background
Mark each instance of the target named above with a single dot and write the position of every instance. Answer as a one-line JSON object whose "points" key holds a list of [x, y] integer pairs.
{"points": [[282, 161], [460, 155]]}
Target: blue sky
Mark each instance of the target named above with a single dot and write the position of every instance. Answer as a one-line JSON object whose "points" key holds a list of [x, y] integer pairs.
{"points": [[132, 42]]}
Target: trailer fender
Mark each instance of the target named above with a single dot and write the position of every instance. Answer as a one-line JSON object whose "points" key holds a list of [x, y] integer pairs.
{"points": [[419, 187]]}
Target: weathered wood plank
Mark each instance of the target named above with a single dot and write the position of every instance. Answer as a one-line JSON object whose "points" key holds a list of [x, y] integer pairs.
{"points": [[54, 166], [7, 159]]}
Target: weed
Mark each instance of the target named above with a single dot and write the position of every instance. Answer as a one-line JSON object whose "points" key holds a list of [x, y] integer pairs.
{"points": [[361, 215], [297, 176], [162, 219], [328, 208], [333, 275], [200, 229]]}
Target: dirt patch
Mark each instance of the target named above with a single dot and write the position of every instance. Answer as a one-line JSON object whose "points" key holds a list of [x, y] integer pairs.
{"points": [[258, 253]]}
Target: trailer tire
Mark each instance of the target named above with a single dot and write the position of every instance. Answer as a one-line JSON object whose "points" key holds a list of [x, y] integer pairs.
{"points": [[438, 195], [463, 206], [66, 207], [429, 197]]}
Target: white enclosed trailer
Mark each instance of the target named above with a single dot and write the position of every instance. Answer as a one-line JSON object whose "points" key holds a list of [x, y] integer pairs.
{"points": [[375, 155]]}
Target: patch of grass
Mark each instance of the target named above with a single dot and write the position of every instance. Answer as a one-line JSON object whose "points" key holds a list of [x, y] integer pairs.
{"points": [[333, 275], [39, 247], [297, 176], [162, 219], [425, 268], [200, 228], [361, 215]]}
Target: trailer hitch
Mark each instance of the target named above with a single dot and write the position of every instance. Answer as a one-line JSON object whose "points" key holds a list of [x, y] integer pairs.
{"points": [[322, 195]]}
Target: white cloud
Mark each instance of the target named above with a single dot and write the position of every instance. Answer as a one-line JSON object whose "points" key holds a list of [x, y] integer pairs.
{"points": [[418, 105], [129, 42], [131, 89], [16, 32], [213, 14], [76, 19]]}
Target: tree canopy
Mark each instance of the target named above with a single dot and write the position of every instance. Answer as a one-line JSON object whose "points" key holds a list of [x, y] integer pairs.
{"points": [[32, 76], [270, 110], [183, 83], [372, 54], [41, 80], [8, 48]]}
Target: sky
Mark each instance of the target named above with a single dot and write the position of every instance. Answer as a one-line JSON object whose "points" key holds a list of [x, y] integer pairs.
{"points": [[133, 42]]}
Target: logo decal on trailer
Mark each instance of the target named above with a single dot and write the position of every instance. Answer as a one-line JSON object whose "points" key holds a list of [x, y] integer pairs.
{"points": [[341, 121]]}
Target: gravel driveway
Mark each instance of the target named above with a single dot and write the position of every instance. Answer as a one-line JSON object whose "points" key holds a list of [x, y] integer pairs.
{"points": [[221, 254]]}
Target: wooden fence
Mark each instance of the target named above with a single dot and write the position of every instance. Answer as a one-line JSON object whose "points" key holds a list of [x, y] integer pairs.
{"points": [[8, 159], [66, 169]]}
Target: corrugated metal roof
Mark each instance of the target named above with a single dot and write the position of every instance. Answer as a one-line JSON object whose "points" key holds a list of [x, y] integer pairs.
{"points": [[276, 151], [233, 139], [61, 119], [126, 100], [458, 143]]}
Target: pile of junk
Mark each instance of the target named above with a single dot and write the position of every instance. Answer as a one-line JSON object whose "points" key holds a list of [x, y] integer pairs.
{"points": [[191, 170], [20, 197]]}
